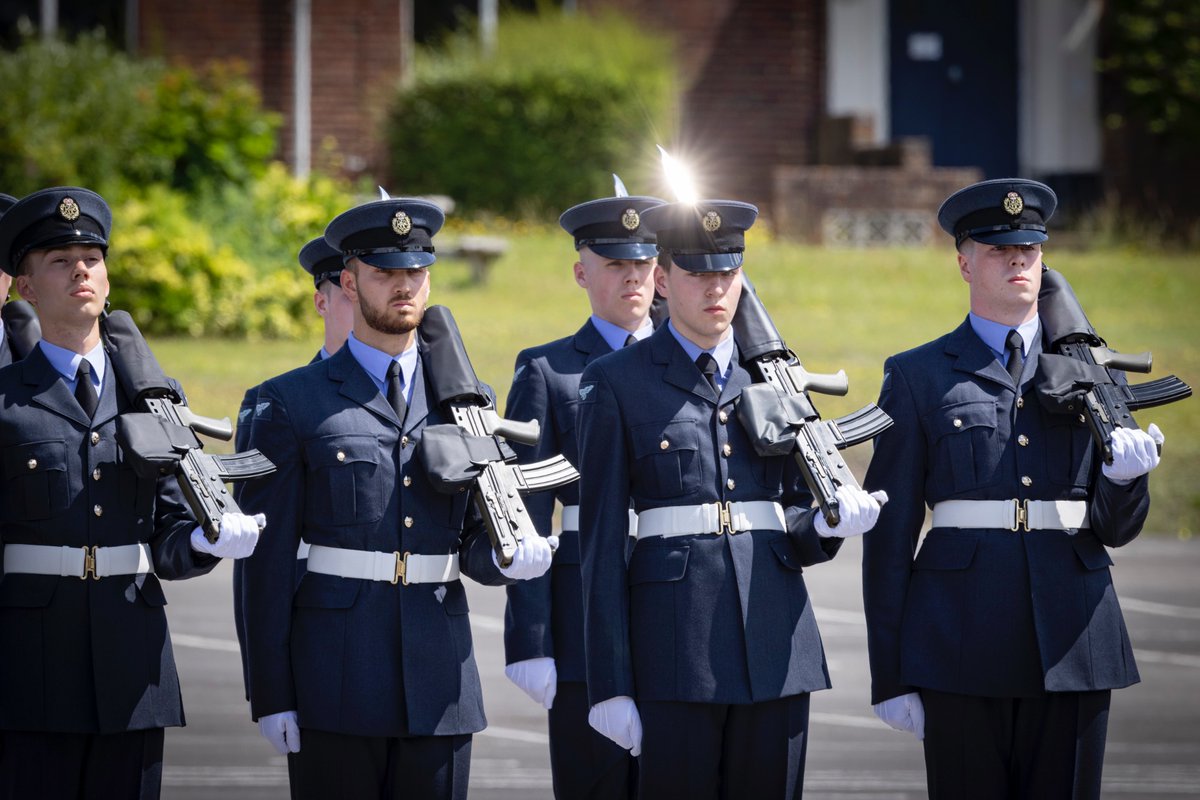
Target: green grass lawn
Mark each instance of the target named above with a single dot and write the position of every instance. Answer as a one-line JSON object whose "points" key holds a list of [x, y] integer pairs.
{"points": [[838, 309]]}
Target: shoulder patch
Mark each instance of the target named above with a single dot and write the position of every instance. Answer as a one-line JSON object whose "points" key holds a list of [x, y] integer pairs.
{"points": [[520, 369], [243, 413], [262, 410], [587, 391], [887, 381]]}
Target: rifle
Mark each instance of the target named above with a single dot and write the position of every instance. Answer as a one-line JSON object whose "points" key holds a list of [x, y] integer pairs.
{"points": [[21, 326], [471, 451], [779, 416], [161, 439], [1076, 375]]}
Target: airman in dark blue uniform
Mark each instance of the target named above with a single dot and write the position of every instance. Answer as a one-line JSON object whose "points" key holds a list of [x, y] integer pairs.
{"points": [[543, 624], [324, 264], [87, 679], [364, 674], [1000, 639], [702, 648]]}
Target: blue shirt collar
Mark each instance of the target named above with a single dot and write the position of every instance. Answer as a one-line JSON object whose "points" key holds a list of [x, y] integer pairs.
{"points": [[615, 334], [994, 334], [66, 362], [375, 362], [723, 352]]}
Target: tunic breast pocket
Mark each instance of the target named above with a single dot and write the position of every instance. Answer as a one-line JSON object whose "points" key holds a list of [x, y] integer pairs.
{"points": [[35, 476], [345, 483], [666, 462], [965, 441]]}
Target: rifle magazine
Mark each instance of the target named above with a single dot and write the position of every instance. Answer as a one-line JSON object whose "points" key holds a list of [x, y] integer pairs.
{"points": [[864, 424], [1158, 393]]}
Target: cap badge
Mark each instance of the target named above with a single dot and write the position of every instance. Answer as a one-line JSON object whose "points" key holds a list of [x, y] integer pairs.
{"points": [[630, 219], [401, 223], [711, 221], [68, 209], [1013, 203]]}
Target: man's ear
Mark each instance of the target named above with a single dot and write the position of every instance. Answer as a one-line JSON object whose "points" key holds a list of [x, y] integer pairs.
{"points": [[964, 267], [660, 280], [25, 289], [349, 282], [580, 275]]}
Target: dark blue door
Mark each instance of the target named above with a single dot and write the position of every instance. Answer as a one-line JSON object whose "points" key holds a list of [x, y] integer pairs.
{"points": [[954, 80]]}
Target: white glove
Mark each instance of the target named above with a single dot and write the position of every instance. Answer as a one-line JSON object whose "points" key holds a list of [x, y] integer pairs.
{"points": [[904, 713], [532, 558], [282, 730], [617, 718], [537, 677], [238, 536], [859, 511], [1134, 452]]}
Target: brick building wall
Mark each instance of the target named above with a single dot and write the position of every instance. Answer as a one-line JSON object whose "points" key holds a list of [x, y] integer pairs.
{"points": [[754, 78], [356, 61]]}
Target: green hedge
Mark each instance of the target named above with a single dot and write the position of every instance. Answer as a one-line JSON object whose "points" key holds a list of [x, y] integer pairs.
{"points": [[564, 102], [81, 113]]}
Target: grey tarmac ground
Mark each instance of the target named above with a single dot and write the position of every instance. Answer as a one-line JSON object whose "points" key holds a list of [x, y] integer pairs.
{"points": [[1153, 740]]}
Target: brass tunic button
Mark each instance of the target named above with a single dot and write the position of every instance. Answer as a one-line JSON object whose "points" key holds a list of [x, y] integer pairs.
{"points": [[1020, 402], [95, 438], [404, 441], [727, 451], [1026, 480], [98, 510], [664, 444], [408, 522], [722, 417], [31, 463], [731, 483], [1023, 440], [96, 474], [957, 422], [407, 480], [341, 456]]}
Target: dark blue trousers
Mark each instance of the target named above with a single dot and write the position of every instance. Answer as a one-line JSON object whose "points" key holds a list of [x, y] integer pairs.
{"points": [[332, 765], [585, 764], [695, 751], [70, 766], [989, 748]]}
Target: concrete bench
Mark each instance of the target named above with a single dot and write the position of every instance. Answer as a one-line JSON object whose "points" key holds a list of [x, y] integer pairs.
{"points": [[480, 252]]}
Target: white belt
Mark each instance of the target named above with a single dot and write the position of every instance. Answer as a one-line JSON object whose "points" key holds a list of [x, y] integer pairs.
{"points": [[78, 562], [718, 518], [302, 550], [372, 565], [570, 520], [1013, 515]]}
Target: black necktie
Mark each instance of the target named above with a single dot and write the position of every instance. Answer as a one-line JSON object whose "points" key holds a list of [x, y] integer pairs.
{"points": [[85, 392], [708, 365], [1015, 361], [630, 339], [395, 390]]}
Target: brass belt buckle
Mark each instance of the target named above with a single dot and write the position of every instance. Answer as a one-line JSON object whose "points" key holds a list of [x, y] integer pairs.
{"points": [[89, 564], [1020, 515], [725, 518], [401, 569]]}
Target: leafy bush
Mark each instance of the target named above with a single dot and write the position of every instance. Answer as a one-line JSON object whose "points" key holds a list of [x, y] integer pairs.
{"points": [[222, 261], [81, 113], [539, 125], [269, 219]]}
